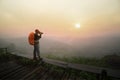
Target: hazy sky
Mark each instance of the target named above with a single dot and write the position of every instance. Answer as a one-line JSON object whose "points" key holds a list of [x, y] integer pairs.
{"points": [[58, 17]]}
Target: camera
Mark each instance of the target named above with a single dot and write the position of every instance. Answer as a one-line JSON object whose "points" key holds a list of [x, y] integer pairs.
{"points": [[40, 32]]}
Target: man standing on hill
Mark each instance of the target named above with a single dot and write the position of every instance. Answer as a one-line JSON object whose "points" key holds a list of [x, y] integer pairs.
{"points": [[36, 51]]}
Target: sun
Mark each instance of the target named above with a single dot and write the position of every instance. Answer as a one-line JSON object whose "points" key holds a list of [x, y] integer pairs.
{"points": [[77, 25]]}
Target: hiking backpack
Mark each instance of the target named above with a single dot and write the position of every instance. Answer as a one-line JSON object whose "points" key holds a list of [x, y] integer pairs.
{"points": [[31, 38]]}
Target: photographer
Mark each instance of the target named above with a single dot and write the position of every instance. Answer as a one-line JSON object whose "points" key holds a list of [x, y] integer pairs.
{"points": [[36, 51]]}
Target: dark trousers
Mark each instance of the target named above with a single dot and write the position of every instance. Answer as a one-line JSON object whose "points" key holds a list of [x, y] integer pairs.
{"points": [[36, 51]]}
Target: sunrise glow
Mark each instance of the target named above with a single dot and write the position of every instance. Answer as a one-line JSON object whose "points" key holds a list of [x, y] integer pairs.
{"points": [[77, 25], [59, 17]]}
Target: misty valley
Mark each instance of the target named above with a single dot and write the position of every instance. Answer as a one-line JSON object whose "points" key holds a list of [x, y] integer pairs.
{"points": [[103, 53], [93, 47]]}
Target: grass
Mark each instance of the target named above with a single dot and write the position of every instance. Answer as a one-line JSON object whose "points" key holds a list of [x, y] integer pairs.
{"points": [[99, 62], [5, 57], [80, 60]]}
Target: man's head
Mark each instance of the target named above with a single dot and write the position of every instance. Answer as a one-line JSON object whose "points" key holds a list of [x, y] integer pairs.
{"points": [[37, 31]]}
